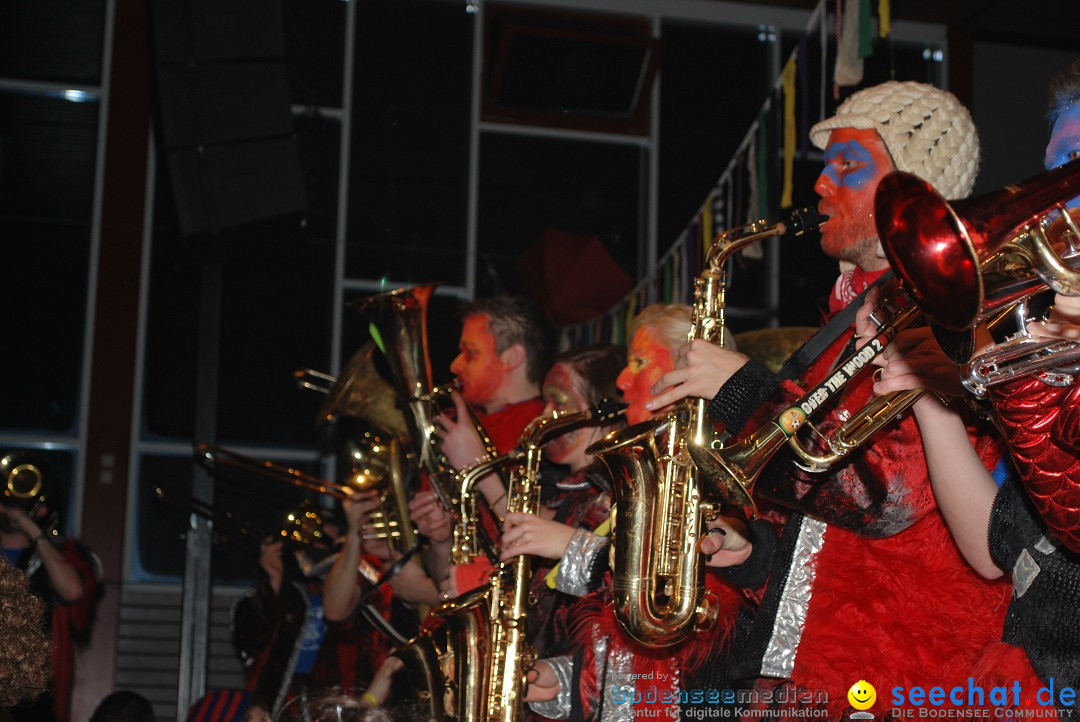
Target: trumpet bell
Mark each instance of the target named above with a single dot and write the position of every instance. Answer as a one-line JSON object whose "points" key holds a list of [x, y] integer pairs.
{"points": [[24, 483], [939, 249]]}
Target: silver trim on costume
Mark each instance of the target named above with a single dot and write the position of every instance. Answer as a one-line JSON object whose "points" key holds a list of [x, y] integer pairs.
{"points": [[559, 707], [1024, 572], [779, 659], [620, 667], [1046, 544], [573, 574]]}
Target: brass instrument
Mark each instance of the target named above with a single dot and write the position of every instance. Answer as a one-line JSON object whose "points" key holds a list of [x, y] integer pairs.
{"points": [[24, 482], [376, 467], [659, 514], [962, 261], [400, 318], [486, 626], [731, 472]]}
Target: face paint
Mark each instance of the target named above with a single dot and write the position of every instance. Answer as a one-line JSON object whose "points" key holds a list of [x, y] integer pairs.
{"points": [[855, 161], [1064, 144], [562, 392], [477, 366], [648, 360]]}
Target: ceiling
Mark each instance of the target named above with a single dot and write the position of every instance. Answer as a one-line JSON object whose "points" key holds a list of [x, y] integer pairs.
{"points": [[1046, 23]]}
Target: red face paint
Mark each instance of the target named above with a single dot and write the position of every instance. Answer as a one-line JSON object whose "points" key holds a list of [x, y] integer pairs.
{"points": [[477, 366], [855, 160], [648, 360], [562, 392]]}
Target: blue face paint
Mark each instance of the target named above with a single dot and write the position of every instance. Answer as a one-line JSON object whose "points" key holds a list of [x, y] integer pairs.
{"points": [[1064, 144], [849, 164]]}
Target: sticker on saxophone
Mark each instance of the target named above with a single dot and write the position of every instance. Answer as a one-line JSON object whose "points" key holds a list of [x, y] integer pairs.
{"points": [[791, 420]]}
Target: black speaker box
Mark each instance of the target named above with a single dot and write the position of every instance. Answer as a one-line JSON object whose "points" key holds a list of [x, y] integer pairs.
{"points": [[223, 102], [218, 187], [195, 31]]}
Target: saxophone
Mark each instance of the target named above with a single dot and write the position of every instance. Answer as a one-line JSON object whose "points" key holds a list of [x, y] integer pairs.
{"points": [[486, 626], [659, 513]]}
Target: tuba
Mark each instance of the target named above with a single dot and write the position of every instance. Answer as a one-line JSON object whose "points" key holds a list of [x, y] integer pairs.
{"points": [[400, 319], [659, 513], [486, 626]]}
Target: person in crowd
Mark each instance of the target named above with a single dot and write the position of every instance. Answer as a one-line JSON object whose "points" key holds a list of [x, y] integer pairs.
{"points": [[866, 575], [67, 576], [288, 641], [228, 705], [24, 646], [998, 527], [596, 680], [123, 706]]}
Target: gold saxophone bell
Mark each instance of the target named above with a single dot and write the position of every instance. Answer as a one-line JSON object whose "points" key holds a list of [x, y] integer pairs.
{"points": [[659, 511]]}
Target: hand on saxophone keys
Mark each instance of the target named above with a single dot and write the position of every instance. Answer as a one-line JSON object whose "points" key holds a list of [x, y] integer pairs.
{"points": [[725, 543], [543, 683]]}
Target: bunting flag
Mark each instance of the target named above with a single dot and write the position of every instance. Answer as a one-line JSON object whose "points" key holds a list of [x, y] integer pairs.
{"points": [[761, 210], [884, 15], [742, 193], [788, 85], [848, 69], [866, 36]]}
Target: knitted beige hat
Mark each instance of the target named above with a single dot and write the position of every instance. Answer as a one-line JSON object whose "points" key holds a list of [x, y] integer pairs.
{"points": [[926, 129]]}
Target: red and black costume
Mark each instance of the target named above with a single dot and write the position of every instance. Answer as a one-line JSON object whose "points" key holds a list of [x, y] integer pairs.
{"points": [[867, 582], [268, 633], [68, 623]]}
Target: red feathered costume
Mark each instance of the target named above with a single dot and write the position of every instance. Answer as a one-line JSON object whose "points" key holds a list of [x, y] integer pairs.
{"points": [[1041, 424], [869, 585]]}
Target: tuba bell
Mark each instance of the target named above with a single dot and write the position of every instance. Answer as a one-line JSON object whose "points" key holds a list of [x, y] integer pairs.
{"points": [[400, 319]]}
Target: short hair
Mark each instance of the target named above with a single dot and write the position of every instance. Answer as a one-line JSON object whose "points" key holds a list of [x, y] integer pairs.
{"points": [[515, 319], [598, 367], [670, 321], [24, 645], [124, 706], [1063, 91]]}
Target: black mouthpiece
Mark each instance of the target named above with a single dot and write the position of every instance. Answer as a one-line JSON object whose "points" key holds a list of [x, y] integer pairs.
{"points": [[805, 219]]}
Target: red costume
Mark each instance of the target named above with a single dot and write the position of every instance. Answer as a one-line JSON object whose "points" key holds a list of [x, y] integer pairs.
{"points": [[868, 584], [504, 426], [1041, 424]]}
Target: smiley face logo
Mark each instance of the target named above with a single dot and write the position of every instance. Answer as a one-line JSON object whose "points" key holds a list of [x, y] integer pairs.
{"points": [[792, 419], [862, 695]]}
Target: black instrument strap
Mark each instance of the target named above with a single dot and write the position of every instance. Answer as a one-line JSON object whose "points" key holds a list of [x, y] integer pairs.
{"points": [[799, 361]]}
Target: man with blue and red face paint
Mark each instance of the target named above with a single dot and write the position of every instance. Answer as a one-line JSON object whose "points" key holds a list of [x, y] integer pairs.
{"points": [[866, 582]]}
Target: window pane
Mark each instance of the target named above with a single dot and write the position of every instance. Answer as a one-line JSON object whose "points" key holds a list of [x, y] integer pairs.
{"points": [[46, 192], [314, 50], [529, 185], [714, 80], [52, 40], [407, 201]]}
